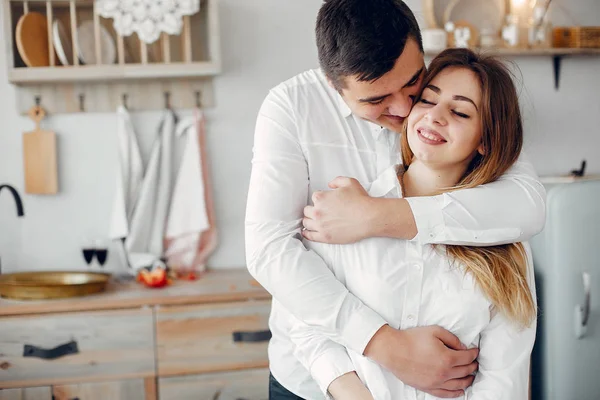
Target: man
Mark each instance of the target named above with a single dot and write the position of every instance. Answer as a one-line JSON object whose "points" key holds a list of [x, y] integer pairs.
{"points": [[343, 121]]}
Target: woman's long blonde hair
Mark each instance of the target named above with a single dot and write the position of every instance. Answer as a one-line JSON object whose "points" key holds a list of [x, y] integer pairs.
{"points": [[500, 271]]}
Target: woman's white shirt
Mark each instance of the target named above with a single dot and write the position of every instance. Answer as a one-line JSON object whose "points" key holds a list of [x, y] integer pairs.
{"points": [[410, 284]]}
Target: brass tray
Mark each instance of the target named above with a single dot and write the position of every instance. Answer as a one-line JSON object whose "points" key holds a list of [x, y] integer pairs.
{"points": [[42, 285]]}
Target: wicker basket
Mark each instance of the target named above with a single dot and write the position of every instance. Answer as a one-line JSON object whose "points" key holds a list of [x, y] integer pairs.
{"points": [[576, 36]]}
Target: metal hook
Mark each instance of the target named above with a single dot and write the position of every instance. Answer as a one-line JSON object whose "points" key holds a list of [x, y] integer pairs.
{"points": [[198, 102], [124, 99], [38, 102], [167, 100], [81, 102]]}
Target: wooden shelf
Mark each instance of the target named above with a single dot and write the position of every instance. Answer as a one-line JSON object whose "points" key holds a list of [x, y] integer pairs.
{"points": [[182, 66], [94, 73], [530, 52], [556, 53]]}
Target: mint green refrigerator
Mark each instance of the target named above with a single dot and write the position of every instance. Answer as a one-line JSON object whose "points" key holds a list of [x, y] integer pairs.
{"points": [[566, 356]]}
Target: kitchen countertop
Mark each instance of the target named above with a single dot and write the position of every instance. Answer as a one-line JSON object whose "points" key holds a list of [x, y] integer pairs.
{"points": [[213, 286]]}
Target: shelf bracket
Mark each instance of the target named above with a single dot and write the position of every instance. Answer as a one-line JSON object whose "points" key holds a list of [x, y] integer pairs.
{"points": [[556, 64]]}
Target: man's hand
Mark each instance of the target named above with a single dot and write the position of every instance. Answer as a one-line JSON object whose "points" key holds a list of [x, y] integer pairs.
{"points": [[429, 358], [339, 216], [349, 387]]}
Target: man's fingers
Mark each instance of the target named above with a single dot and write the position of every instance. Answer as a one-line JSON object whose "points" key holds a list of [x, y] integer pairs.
{"points": [[464, 357], [309, 212], [464, 370], [449, 339], [458, 384], [445, 394], [309, 224], [309, 234], [339, 182]]}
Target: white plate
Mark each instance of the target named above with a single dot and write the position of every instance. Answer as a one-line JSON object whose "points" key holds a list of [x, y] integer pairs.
{"points": [[86, 45], [62, 43]]}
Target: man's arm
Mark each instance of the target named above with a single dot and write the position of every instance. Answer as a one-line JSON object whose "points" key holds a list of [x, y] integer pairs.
{"points": [[296, 277], [512, 209], [327, 361]]}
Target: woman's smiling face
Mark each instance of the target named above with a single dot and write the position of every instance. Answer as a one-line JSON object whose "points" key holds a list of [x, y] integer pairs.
{"points": [[444, 127]]}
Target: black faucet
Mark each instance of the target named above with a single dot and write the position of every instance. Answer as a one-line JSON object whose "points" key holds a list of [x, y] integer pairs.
{"points": [[17, 198], [18, 202]]}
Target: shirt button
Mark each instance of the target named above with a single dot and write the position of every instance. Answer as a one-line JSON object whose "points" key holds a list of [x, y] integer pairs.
{"points": [[410, 317], [417, 266], [431, 234]]}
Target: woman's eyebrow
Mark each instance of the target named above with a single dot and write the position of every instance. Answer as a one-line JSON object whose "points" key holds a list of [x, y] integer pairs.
{"points": [[455, 97]]}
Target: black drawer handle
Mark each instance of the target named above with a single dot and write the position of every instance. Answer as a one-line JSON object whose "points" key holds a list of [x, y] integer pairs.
{"points": [[256, 336], [50, 354]]}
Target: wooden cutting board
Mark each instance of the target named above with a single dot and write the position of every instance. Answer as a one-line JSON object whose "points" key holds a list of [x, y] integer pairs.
{"points": [[39, 157]]}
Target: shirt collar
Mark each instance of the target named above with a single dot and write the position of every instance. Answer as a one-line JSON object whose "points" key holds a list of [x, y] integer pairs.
{"points": [[386, 182]]}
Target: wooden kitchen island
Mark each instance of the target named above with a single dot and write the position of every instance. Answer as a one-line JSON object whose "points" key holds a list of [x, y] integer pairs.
{"points": [[198, 340]]}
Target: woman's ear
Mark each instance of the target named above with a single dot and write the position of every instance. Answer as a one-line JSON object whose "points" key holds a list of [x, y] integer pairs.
{"points": [[481, 150]]}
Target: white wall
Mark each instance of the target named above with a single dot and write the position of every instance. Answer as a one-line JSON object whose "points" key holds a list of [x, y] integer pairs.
{"points": [[263, 43]]}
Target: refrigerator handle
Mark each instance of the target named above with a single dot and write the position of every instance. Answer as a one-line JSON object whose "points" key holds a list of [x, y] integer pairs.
{"points": [[582, 312]]}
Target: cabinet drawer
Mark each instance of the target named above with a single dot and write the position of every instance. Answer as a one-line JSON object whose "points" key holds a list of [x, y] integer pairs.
{"points": [[73, 347], [250, 384], [198, 339], [132, 389], [33, 393]]}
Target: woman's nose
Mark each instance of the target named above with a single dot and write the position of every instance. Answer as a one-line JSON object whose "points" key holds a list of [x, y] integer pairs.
{"points": [[436, 116]]}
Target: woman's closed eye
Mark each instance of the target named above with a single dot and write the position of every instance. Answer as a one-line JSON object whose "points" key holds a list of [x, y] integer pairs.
{"points": [[461, 115], [425, 101]]}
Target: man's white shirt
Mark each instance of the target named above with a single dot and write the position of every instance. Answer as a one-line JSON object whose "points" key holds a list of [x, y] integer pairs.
{"points": [[305, 137]]}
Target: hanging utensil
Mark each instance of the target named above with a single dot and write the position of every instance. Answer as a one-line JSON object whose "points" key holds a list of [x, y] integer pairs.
{"points": [[39, 156]]}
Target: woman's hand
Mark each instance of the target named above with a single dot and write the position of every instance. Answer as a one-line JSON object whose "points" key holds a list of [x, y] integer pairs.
{"points": [[349, 387]]}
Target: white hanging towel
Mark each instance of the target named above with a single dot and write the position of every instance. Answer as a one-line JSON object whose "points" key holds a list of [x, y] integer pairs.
{"points": [[129, 177], [144, 228], [191, 232], [144, 244]]}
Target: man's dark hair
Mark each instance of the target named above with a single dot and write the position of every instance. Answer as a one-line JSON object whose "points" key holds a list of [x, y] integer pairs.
{"points": [[363, 37]]}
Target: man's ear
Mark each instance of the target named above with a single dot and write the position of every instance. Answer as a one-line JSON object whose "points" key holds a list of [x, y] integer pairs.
{"points": [[331, 85]]}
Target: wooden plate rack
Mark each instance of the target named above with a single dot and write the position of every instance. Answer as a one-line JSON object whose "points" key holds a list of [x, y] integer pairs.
{"points": [[177, 67]]}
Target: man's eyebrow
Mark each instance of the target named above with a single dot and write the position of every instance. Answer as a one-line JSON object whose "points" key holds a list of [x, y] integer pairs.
{"points": [[456, 97], [414, 78], [375, 99]]}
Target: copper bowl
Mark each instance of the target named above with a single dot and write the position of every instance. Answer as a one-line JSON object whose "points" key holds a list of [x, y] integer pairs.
{"points": [[42, 285]]}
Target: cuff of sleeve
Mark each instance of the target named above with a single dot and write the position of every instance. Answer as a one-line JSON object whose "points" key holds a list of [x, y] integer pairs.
{"points": [[329, 366], [429, 218], [361, 327]]}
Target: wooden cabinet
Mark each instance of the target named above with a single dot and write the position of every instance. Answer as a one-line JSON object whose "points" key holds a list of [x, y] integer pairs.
{"points": [[34, 393], [249, 384], [132, 389], [196, 340], [43, 349]]}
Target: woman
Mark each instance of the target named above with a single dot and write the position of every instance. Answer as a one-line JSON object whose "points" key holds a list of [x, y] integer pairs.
{"points": [[464, 131]]}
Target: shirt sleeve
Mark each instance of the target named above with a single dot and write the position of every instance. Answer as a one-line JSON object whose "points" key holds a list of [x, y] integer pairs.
{"points": [[276, 257], [325, 359], [504, 357], [511, 209]]}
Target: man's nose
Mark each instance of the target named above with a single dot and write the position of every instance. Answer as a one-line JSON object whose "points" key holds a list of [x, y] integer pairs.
{"points": [[401, 105]]}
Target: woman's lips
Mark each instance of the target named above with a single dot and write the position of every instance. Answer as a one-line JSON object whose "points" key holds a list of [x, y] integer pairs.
{"points": [[430, 137]]}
